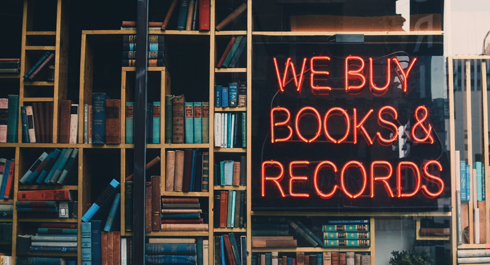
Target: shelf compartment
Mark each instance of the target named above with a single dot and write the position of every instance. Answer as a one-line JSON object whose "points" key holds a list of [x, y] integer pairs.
{"points": [[38, 99], [185, 194], [171, 146], [41, 33], [48, 220], [231, 32], [228, 109], [47, 187], [230, 70], [40, 48], [310, 249], [230, 187], [419, 237], [230, 230], [230, 150]]}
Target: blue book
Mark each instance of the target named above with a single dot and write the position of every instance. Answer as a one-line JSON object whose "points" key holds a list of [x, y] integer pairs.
{"points": [[197, 172], [238, 52], [479, 181], [98, 117], [244, 129], [234, 246], [233, 94], [5, 177], [228, 172], [193, 170], [32, 210], [51, 249], [217, 97], [290, 261], [243, 245], [229, 130], [58, 165], [53, 156], [33, 167], [224, 97], [189, 122], [72, 262], [229, 207], [222, 250], [233, 49], [197, 123], [86, 238], [13, 112], [199, 244], [343, 222], [112, 213], [25, 131], [462, 168], [40, 260], [170, 259], [156, 122], [96, 246], [102, 199], [170, 249], [319, 259], [181, 215], [129, 122], [68, 166], [268, 258], [182, 18], [38, 63], [35, 173], [468, 183], [233, 208]]}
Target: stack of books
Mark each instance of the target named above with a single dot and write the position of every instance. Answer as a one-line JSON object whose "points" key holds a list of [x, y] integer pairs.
{"points": [[39, 260], [46, 204], [8, 119], [346, 233], [186, 122], [233, 95], [231, 173], [37, 122], [182, 214], [193, 15], [181, 253], [232, 53], [40, 66], [53, 168], [230, 209], [7, 173], [187, 171], [473, 256], [9, 66], [157, 52], [51, 237], [325, 258], [230, 129], [228, 251]]}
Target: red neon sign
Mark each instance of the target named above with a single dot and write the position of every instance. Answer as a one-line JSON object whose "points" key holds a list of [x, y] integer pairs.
{"points": [[384, 179], [315, 179], [403, 73], [382, 90], [275, 179], [317, 116], [285, 122], [315, 72], [347, 123], [354, 74], [283, 83], [297, 178], [413, 167]]}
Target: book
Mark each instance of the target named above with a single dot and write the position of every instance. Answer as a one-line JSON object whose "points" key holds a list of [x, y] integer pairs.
{"points": [[223, 57], [169, 14], [303, 233], [197, 123], [170, 171], [110, 248], [236, 174], [224, 97], [168, 115], [148, 208], [190, 12], [238, 52], [309, 233], [194, 25], [229, 251], [73, 124], [217, 95], [99, 118], [13, 112], [217, 129], [90, 124], [187, 176], [44, 195], [57, 231], [197, 176], [7, 180], [149, 123], [68, 166], [33, 167], [113, 121], [159, 240], [52, 159], [205, 122], [472, 253], [243, 171], [233, 94], [233, 49], [41, 67], [178, 119], [179, 170], [347, 243], [346, 228], [86, 241], [155, 203], [96, 241], [25, 132], [223, 209], [432, 231], [170, 249], [204, 16], [228, 173], [189, 122], [243, 199], [40, 261], [170, 259], [230, 218], [344, 235], [3, 119], [117, 247], [85, 123], [58, 167], [112, 213], [68, 238], [342, 222], [183, 221], [129, 122], [181, 21], [473, 260], [184, 227], [37, 64], [156, 122], [242, 94], [231, 17], [234, 248], [30, 124], [102, 199], [205, 172]]}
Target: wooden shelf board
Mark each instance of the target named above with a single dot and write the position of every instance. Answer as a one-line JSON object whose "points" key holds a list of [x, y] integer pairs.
{"points": [[469, 246], [185, 194], [40, 48], [9, 76], [310, 249], [9, 144], [101, 146], [41, 33], [174, 233], [230, 109], [38, 83], [180, 32], [230, 150], [230, 188], [229, 230], [46, 145], [49, 220], [38, 99], [47, 187], [5, 242], [149, 69], [171, 146], [332, 33], [230, 32], [230, 70], [372, 214], [49, 254], [5, 220]]}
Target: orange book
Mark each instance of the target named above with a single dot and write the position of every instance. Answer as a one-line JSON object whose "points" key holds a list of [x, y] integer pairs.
{"points": [[110, 248], [8, 187], [103, 244], [117, 248], [231, 258], [223, 209], [227, 50], [44, 195]]}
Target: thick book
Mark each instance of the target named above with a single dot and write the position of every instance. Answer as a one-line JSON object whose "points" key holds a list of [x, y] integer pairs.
{"points": [[197, 176], [25, 132], [155, 203], [158, 240], [233, 94], [217, 129], [346, 228], [33, 167], [73, 124], [217, 95], [111, 189], [128, 205], [225, 54], [183, 221], [232, 51], [57, 231], [37, 122], [197, 123], [67, 167], [178, 111], [3, 119], [65, 119], [227, 178], [237, 209], [217, 209], [223, 209], [224, 97], [238, 52], [112, 213], [110, 247], [189, 122], [309, 232], [39, 261], [179, 170], [44, 195], [58, 225], [113, 121], [70, 238], [148, 208], [170, 171], [205, 172], [181, 206], [180, 200], [205, 122], [242, 94], [344, 235], [184, 227], [170, 249], [204, 15], [117, 247], [30, 124], [347, 243], [233, 15], [234, 248], [182, 18], [186, 183], [13, 113], [96, 241], [44, 65], [37, 64], [99, 119], [168, 116], [104, 238], [86, 241], [129, 122], [236, 173], [156, 123]]}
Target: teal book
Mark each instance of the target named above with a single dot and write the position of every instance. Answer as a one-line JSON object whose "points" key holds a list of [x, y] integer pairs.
{"points": [[156, 122], [224, 97], [86, 238], [347, 243], [479, 181], [230, 209], [222, 172], [468, 182], [233, 209], [319, 259], [68, 166], [182, 19], [234, 248], [345, 228], [205, 122], [303, 233], [228, 126], [193, 170], [217, 95], [462, 168], [189, 122], [268, 258], [309, 233], [345, 235], [47, 180], [197, 122], [149, 123], [13, 112], [59, 168], [38, 63], [199, 251], [233, 94], [25, 132], [230, 55], [223, 258], [244, 129], [33, 167], [129, 122], [52, 158], [112, 213], [238, 52], [57, 231], [228, 172]]}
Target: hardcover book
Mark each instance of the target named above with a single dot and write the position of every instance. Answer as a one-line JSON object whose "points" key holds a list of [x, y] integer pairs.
{"points": [[178, 119], [168, 117], [170, 171], [189, 122], [129, 122], [13, 113], [30, 124], [156, 123], [98, 127], [113, 121], [197, 122], [205, 122], [73, 124]]}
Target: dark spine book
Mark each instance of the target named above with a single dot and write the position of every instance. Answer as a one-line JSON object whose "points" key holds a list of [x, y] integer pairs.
{"points": [[217, 250], [113, 121], [42, 66], [65, 118], [217, 179], [182, 14], [178, 119], [243, 199], [217, 207], [205, 172], [186, 186], [156, 38], [59, 225], [168, 119], [98, 120], [96, 244], [25, 132], [46, 123], [151, 55], [129, 38], [242, 94], [156, 218], [13, 112], [234, 248], [40, 114], [274, 232], [38, 63], [171, 248], [50, 123], [199, 251], [128, 204], [225, 54], [37, 125], [194, 15], [198, 172], [243, 171], [148, 197]]}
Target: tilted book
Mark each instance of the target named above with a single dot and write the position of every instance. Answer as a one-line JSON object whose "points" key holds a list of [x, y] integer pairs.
{"points": [[51, 160], [112, 213], [67, 167], [103, 197], [33, 167]]}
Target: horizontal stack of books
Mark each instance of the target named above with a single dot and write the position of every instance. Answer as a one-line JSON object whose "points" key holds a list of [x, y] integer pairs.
{"points": [[8, 119], [47, 203], [177, 253], [230, 209], [187, 170], [50, 237], [186, 121], [232, 53], [230, 129], [325, 258], [346, 233], [37, 122], [40, 66], [473, 256], [7, 173], [53, 168], [157, 51], [228, 251], [231, 173], [182, 214], [9, 66], [233, 95]]}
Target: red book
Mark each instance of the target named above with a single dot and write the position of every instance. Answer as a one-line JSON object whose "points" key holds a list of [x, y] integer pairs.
{"points": [[183, 221], [148, 207], [9, 59], [227, 50], [110, 248], [117, 248], [113, 121], [223, 209], [104, 246], [65, 119], [204, 14], [44, 65], [156, 218], [180, 200], [231, 258], [186, 186], [44, 195], [8, 187], [59, 225]]}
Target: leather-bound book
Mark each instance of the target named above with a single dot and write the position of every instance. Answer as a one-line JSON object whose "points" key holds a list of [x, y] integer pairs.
{"points": [[178, 119], [50, 121], [231, 16], [44, 195], [40, 114], [335, 258], [307, 260], [223, 209], [204, 12], [186, 184], [117, 247], [104, 246], [113, 121], [229, 251], [37, 125], [64, 125], [110, 248], [343, 258], [300, 258], [236, 173], [155, 203], [148, 196], [170, 171], [179, 170]]}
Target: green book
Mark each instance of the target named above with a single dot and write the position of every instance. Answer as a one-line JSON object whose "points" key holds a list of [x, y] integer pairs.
{"points": [[347, 243], [232, 51], [345, 228], [168, 119], [199, 251], [57, 231], [231, 206], [13, 112], [344, 235]]}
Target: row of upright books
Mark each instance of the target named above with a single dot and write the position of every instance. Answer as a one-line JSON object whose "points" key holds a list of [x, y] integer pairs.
{"points": [[325, 258], [230, 129], [8, 119], [102, 122], [192, 15], [43, 64], [52, 168], [230, 209], [37, 122], [186, 122], [157, 51], [9, 66], [102, 247], [187, 170], [229, 251], [231, 173], [233, 95]]}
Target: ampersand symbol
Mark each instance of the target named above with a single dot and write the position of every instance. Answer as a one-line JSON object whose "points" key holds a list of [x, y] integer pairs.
{"points": [[420, 123]]}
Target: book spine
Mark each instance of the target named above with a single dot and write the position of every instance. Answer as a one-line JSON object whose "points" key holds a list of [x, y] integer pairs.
{"points": [[73, 124], [3, 119], [234, 248], [59, 167], [110, 247], [204, 6], [232, 51], [238, 52], [179, 170], [347, 243], [49, 121], [345, 228], [303, 233], [124, 251], [168, 117], [242, 94], [41, 67], [62, 238], [342, 235], [178, 112], [190, 12], [25, 132], [225, 53], [224, 209], [53, 168], [149, 123], [217, 129], [479, 181], [96, 242], [188, 165], [233, 94], [99, 118], [8, 183], [205, 122], [112, 213], [32, 168], [199, 252], [243, 199], [185, 227], [189, 122], [155, 203], [148, 199], [128, 206], [169, 14], [473, 260], [156, 123], [170, 171], [244, 130], [129, 122], [342, 222], [181, 21], [205, 172], [85, 123], [231, 259], [13, 112], [224, 97], [117, 247], [230, 209], [86, 240], [113, 121], [171, 248], [90, 124], [38, 63], [217, 95], [100, 200], [44, 195], [463, 180], [468, 182], [30, 124], [309, 233], [231, 17], [197, 123], [193, 171], [37, 121], [68, 166]]}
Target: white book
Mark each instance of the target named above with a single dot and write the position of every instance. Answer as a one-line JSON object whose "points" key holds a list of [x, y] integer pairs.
{"points": [[327, 258], [172, 240], [85, 124], [170, 171], [217, 130], [457, 159], [473, 260], [225, 130], [275, 256], [124, 250], [4, 108], [30, 124], [205, 252], [232, 134], [53, 244], [471, 253], [73, 124]]}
